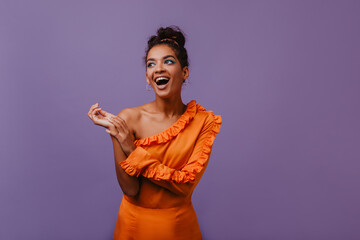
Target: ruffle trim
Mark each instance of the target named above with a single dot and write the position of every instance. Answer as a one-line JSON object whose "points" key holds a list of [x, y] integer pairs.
{"points": [[167, 175], [172, 131], [196, 167], [186, 174], [129, 169]]}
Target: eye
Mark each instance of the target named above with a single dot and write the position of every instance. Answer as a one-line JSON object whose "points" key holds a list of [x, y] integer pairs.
{"points": [[169, 61], [150, 64]]}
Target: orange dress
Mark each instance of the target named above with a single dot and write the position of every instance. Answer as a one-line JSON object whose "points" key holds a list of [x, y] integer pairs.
{"points": [[169, 166]]}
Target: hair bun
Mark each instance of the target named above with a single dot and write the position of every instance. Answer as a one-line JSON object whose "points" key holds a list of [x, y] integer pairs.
{"points": [[172, 32], [173, 37]]}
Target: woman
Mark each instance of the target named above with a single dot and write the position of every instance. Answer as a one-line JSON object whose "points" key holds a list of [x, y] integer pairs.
{"points": [[161, 148]]}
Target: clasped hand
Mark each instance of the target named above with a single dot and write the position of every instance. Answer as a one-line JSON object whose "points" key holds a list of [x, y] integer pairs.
{"points": [[115, 126]]}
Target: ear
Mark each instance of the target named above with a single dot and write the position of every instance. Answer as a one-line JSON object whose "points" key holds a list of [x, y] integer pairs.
{"points": [[185, 72]]}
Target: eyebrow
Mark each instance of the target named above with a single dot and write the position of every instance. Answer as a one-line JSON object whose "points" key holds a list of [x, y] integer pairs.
{"points": [[167, 56]]}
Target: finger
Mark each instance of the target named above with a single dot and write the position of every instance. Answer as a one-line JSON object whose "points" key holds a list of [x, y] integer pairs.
{"points": [[91, 109], [111, 133], [120, 127], [120, 123], [117, 126], [107, 114], [94, 106], [115, 119], [91, 112], [124, 129], [93, 115], [95, 110], [98, 111], [119, 119], [104, 113]]}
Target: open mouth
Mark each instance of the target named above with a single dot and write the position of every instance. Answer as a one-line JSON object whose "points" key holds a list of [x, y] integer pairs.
{"points": [[161, 81]]}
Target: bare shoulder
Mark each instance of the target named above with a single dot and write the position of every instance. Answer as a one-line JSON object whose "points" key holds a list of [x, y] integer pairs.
{"points": [[129, 114], [133, 114], [134, 118]]}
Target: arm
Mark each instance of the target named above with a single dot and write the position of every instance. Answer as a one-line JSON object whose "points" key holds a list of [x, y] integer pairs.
{"points": [[129, 184], [180, 189], [120, 133], [179, 181]]}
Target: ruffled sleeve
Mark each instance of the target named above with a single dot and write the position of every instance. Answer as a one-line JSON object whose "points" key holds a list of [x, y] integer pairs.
{"points": [[141, 162]]}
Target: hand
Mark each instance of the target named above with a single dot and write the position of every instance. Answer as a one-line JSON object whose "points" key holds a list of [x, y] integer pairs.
{"points": [[99, 116], [122, 133]]}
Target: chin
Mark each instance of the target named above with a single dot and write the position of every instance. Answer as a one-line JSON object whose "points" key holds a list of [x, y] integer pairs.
{"points": [[165, 94]]}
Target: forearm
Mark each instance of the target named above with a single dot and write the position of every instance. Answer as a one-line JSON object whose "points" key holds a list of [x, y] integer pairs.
{"points": [[180, 189], [129, 184]]}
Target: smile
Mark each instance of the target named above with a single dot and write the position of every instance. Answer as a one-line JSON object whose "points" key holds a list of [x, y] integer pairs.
{"points": [[161, 80]]}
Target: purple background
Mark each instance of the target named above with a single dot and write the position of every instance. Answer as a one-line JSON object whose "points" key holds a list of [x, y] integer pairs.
{"points": [[284, 75]]}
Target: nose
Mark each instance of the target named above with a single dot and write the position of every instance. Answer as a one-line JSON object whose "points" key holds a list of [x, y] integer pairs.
{"points": [[159, 68]]}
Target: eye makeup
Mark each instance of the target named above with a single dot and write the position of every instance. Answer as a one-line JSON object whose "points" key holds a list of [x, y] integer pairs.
{"points": [[167, 61], [150, 64]]}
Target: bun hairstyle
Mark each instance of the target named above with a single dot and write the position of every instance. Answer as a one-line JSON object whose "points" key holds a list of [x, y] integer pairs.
{"points": [[174, 38]]}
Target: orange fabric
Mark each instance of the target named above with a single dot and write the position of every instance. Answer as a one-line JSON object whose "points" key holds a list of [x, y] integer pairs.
{"points": [[169, 166]]}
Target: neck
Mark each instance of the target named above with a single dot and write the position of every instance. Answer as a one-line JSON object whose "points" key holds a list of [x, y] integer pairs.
{"points": [[170, 107]]}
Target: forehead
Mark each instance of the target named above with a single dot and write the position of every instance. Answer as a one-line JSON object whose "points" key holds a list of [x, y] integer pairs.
{"points": [[159, 51]]}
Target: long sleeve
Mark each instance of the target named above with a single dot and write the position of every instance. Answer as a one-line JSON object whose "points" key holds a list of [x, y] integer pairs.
{"points": [[181, 189], [142, 162]]}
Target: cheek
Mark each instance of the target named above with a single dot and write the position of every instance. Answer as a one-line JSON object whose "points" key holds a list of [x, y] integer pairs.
{"points": [[148, 75], [180, 76]]}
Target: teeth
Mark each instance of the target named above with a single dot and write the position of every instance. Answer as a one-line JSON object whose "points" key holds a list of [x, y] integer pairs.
{"points": [[161, 78]]}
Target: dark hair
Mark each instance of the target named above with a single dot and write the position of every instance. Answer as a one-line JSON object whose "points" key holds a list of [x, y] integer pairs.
{"points": [[174, 38]]}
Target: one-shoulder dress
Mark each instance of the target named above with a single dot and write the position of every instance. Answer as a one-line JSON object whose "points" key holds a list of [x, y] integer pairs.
{"points": [[169, 166]]}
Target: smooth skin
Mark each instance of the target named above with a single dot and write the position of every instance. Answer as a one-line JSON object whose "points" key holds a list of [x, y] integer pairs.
{"points": [[148, 119]]}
